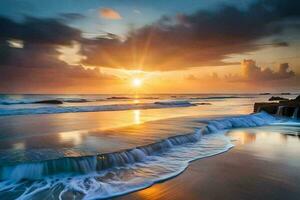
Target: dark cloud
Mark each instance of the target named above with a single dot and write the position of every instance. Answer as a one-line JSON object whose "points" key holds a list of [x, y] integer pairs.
{"points": [[280, 44], [204, 38], [36, 65], [40, 31], [71, 16]]}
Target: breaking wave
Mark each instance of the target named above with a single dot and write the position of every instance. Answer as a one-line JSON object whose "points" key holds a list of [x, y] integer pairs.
{"points": [[73, 109], [44, 101], [220, 97], [107, 175]]}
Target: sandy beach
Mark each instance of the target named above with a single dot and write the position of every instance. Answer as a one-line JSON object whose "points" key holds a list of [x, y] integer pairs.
{"points": [[247, 171]]}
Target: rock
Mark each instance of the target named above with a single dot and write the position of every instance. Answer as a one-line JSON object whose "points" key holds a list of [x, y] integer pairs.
{"points": [[204, 103], [49, 102], [285, 93], [286, 108], [297, 98], [266, 93], [274, 98], [270, 108]]}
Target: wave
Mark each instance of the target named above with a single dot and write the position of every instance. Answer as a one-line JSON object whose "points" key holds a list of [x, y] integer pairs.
{"points": [[44, 101], [173, 102], [129, 98], [66, 100], [73, 109], [117, 98], [221, 97], [107, 175]]}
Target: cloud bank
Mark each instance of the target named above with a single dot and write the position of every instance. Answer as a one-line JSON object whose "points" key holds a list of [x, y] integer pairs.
{"points": [[35, 65], [204, 38], [252, 72]]}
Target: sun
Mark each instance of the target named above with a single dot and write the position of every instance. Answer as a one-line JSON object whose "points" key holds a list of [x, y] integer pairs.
{"points": [[136, 82]]}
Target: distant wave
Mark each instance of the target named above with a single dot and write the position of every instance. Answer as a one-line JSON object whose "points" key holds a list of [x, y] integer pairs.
{"points": [[173, 103], [107, 175], [15, 102], [47, 101], [222, 97], [73, 109], [43, 101], [65, 100], [129, 98]]}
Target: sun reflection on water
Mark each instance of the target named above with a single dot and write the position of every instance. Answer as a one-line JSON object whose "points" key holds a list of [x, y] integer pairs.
{"points": [[137, 116], [75, 137]]}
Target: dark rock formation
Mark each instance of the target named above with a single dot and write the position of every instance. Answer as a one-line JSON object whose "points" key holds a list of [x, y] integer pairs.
{"points": [[287, 108], [49, 102], [274, 98], [266, 93], [270, 108]]}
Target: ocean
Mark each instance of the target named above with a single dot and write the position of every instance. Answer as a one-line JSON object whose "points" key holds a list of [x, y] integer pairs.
{"points": [[102, 146]]}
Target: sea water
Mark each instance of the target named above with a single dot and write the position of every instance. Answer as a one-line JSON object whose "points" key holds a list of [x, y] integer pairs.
{"points": [[84, 154]]}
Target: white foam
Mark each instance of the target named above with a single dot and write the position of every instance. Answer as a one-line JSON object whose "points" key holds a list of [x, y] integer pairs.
{"points": [[120, 180]]}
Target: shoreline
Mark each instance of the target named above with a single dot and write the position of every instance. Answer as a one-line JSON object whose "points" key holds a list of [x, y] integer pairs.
{"points": [[240, 173]]}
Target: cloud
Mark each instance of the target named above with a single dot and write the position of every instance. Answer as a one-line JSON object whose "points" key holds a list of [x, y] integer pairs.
{"points": [[62, 79], [252, 72], [204, 38], [136, 11], [71, 16], [35, 65], [39, 31], [251, 78], [109, 13]]}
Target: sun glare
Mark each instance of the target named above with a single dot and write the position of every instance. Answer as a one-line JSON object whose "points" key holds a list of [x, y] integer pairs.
{"points": [[136, 82]]}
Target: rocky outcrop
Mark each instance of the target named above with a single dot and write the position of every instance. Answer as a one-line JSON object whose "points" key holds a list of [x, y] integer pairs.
{"points": [[287, 108], [274, 98], [266, 93], [49, 102]]}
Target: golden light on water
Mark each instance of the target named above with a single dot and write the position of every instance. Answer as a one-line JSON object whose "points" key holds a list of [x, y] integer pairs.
{"points": [[137, 116]]}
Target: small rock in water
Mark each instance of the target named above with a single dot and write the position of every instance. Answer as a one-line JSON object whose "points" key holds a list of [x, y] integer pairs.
{"points": [[49, 102], [274, 98]]}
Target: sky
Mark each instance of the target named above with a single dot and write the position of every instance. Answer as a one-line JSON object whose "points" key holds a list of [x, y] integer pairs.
{"points": [[191, 46]]}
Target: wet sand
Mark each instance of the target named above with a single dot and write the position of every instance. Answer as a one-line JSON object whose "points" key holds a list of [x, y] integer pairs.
{"points": [[260, 166]]}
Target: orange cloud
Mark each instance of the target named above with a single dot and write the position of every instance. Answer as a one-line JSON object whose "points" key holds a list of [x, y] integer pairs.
{"points": [[109, 13]]}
